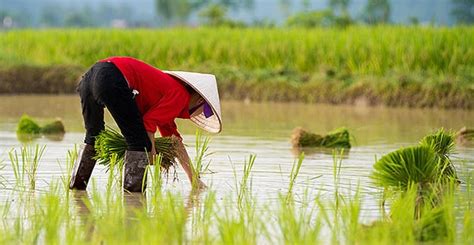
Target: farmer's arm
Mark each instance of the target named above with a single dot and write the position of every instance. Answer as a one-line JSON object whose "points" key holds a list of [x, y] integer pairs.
{"points": [[185, 162], [163, 114]]}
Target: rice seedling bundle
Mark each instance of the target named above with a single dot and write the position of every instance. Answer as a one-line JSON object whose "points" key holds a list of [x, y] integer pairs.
{"points": [[27, 126], [425, 164], [110, 142], [338, 138]]}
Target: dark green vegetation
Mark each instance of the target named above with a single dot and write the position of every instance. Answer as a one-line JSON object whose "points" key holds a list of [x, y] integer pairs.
{"points": [[338, 138], [28, 128], [425, 164], [395, 66], [111, 144], [426, 173], [26, 125]]}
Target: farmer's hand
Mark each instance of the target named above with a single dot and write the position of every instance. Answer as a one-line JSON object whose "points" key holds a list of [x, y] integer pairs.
{"points": [[185, 162]]}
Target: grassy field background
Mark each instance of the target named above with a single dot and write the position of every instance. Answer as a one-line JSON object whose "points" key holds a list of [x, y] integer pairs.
{"points": [[390, 65]]}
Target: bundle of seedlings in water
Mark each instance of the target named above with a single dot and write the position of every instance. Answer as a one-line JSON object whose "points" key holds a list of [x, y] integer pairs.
{"points": [[425, 164], [426, 167], [110, 142], [29, 129], [338, 138]]}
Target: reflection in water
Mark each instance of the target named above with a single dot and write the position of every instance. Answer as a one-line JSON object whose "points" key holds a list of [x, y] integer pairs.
{"points": [[308, 151]]}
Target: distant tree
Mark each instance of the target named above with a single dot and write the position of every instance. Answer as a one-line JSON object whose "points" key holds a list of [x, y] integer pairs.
{"points": [[463, 11], [413, 20], [320, 18], [377, 11], [172, 11], [177, 10], [216, 15], [80, 18], [340, 7]]}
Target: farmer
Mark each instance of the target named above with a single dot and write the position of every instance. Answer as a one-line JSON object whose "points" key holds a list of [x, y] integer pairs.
{"points": [[142, 98]]}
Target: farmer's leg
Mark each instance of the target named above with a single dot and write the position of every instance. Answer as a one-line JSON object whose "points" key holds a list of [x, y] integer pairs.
{"points": [[93, 115], [118, 98], [113, 91], [92, 111]]}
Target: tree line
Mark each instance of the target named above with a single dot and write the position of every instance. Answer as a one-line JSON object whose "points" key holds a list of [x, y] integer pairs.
{"points": [[215, 13]]}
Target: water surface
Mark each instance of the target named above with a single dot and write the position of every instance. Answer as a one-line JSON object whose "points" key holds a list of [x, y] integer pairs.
{"points": [[262, 129]]}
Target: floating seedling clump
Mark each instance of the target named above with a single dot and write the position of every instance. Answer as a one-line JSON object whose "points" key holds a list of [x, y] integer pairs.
{"points": [[26, 125], [56, 127], [338, 138], [110, 142], [29, 129]]}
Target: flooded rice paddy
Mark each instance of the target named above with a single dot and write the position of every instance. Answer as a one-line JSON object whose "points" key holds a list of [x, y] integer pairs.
{"points": [[262, 129]]}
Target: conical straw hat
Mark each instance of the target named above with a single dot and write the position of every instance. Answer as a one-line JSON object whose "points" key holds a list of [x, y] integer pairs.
{"points": [[206, 86]]}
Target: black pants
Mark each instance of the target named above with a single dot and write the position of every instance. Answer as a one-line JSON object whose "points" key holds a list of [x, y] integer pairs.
{"points": [[104, 86]]}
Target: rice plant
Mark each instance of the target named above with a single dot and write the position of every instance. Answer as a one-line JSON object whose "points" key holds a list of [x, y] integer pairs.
{"points": [[295, 170], [2, 179], [202, 152], [25, 164], [112, 217], [417, 164]]}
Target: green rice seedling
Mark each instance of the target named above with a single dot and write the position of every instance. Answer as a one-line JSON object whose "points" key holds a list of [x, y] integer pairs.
{"points": [[55, 127], [27, 128], [155, 176], [71, 157], [295, 170], [442, 143], [25, 164], [202, 148], [2, 179], [296, 220], [238, 225], [109, 142], [166, 223], [338, 138], [244, 187], [412, 165], [202, 219]]}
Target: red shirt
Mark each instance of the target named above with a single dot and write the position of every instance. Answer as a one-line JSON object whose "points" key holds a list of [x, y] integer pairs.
{"points": [[161, 98]]}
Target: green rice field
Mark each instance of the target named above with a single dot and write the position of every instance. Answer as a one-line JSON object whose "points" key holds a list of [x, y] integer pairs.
{"points": [[390, 65]]}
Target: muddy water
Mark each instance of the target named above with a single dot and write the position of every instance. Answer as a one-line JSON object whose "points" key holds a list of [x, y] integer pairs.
{"points": [[254, 128]]}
